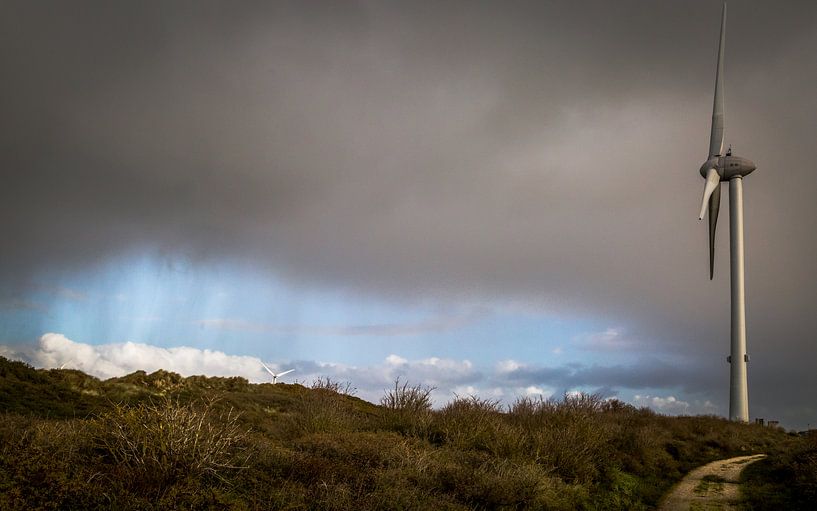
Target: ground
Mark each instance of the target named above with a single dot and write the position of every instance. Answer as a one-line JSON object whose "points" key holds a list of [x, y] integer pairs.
{"points": [[710, 487]]}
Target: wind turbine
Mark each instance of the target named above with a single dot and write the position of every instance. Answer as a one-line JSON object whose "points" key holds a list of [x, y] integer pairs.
{"points": [[720, 168], [275, 376]]}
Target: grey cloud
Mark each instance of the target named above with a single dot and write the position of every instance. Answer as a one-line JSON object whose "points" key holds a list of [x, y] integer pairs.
{"points": [[12, 304], [70, 294], [645, 374], [437, 324], [606, 391]]}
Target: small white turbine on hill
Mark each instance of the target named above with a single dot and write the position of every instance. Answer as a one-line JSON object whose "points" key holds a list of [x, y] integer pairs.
{"points": [[718, 168], [274, 375]]}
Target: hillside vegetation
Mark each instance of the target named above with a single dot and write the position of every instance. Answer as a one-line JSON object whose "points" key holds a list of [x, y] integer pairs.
{"points": [[161, 441]]}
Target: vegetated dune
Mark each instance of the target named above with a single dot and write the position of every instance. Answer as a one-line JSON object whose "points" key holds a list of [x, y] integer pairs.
{"points": [[162, 441]]}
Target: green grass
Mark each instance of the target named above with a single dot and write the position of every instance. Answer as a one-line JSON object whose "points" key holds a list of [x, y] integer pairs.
{"points": [[161, 441], [710, 483]]}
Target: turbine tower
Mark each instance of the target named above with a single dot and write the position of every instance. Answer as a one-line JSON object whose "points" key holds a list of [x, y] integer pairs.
{"points": [[274, 375], [718, 168]]}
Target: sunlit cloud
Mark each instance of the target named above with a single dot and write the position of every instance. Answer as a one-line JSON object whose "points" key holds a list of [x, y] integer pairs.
{"points": [[507, 366], [449, 377], [112, 360], [672, 405], [533, 390]]}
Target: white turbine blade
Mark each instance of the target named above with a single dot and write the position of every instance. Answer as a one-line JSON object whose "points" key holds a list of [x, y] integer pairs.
{"points": [[712, 180], [268, 369], [718, 121], [714, 206], [285, 372]]}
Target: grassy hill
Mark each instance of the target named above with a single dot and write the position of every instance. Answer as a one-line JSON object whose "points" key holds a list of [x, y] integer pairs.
{"points": [[162, 441]]}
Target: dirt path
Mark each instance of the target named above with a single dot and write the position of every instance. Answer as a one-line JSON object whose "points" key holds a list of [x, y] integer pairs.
{"points": [[710, 487]]}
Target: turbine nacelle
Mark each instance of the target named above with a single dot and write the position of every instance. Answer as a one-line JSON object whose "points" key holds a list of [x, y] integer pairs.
{"points": [[728, 166]]}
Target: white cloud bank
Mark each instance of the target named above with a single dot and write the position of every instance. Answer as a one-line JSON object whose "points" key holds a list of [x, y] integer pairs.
{"points": [[671, 405], [448, 376], [111, 360]]}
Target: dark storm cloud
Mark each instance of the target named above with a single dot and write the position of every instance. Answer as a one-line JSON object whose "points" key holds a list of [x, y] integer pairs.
{"points": [[545, 153]]}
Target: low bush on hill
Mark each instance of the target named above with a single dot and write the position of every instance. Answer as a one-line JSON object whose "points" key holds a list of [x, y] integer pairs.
{"points": [[160, 441], [786, 479]]}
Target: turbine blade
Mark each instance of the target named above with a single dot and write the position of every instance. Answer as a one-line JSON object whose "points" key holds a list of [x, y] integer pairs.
{"points": [[714, 206], [712, 181], [285, 372], [268, 369], [718, 121]]}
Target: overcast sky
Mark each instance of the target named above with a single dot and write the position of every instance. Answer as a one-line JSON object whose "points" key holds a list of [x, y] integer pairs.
{"points": [[497, 198]]}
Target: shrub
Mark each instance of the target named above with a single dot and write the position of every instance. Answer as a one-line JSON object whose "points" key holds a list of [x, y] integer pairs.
{"points": [[569, 436], [407, 408], [45, 464], [154, 445], [407, 398], [328, 384], [326, 412], [479, 424], [319, 449], [787, 479]]}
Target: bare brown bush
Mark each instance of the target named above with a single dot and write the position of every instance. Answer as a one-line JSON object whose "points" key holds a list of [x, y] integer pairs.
{"points": [[408, 398], [407, 408], [473, 423], [345, 388], [325, 412], [569, 436], [157, 444]]}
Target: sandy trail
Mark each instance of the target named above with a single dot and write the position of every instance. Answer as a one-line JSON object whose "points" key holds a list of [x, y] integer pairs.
{"points": [[712, 486]]}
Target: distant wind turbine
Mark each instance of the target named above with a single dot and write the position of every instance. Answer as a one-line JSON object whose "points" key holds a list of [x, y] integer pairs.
{"points": [[717, 169], [276, 376], [65, 364]]}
